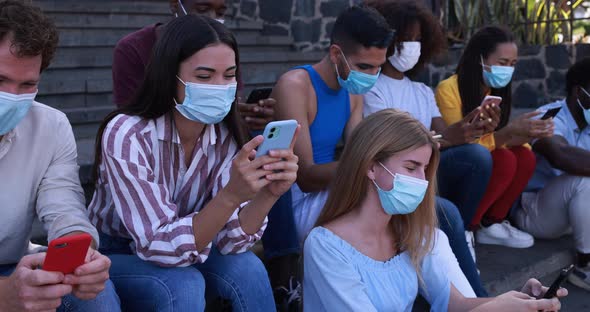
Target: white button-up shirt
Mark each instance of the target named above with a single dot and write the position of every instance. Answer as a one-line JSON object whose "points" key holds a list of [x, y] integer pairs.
{"points": [[39, 178]]}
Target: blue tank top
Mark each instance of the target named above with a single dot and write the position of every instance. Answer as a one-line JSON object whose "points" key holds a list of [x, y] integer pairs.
{"points": [[333, 112]]}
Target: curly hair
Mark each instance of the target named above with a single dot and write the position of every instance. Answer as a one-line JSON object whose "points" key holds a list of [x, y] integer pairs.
{"points": [[401, 15], [30, 31]]}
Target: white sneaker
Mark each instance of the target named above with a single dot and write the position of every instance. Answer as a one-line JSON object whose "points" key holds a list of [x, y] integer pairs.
{"points": [[470, 243], [581, 277], [504, 234]]}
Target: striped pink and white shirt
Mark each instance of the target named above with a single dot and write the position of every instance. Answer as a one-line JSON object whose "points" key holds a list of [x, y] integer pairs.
{"points": [[146, 193]]}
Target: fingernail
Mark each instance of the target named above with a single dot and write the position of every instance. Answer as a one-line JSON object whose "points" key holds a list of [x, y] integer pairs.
{"points": [[248, 118], [489, 120], [261, 102], [487, 106]]}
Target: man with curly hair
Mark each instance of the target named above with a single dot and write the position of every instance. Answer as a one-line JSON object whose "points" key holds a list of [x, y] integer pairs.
{"points": [[39, 178]]}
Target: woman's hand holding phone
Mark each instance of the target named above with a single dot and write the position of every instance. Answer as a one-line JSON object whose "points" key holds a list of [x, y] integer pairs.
{"points": [[250, 174], [284, 170], [465, 131], [492, 115], [535, 289]]}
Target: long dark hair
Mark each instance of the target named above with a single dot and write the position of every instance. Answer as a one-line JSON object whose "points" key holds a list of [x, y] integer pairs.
{"points": [[469, 71], [183, 37]]}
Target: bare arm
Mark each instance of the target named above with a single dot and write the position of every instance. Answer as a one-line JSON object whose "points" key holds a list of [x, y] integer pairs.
{"points": [[294, 98], [563, 156], [356, 114]]}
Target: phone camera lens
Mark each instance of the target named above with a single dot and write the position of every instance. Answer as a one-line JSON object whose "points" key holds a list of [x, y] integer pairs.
{"points": [[270, 136], [273, 129]]}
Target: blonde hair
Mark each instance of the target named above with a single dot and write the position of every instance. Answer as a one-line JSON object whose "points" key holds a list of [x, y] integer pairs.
{"points": [[377, 138]]}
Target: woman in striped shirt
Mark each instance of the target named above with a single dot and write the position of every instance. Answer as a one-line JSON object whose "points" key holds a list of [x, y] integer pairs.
{"points": [[177, 184]]}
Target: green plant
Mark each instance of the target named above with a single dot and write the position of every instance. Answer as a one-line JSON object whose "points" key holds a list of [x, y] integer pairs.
{"points": [[532, 21]]}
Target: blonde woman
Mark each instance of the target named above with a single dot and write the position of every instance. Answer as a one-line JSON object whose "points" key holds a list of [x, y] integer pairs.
{"points": [[368, 250]]}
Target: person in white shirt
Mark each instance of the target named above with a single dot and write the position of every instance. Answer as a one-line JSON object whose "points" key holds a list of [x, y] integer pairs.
{"points": [[39, 178], [555, 201], [418, 39]]}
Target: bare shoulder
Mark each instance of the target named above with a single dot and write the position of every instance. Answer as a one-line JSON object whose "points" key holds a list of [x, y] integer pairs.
{"points": [[296, 79]]}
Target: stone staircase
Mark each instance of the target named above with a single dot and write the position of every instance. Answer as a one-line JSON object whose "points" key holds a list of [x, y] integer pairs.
{"points": [[79, 82]]}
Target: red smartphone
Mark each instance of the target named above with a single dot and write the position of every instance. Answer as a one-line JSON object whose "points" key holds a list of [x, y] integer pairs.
{"points": [[66, 253]]}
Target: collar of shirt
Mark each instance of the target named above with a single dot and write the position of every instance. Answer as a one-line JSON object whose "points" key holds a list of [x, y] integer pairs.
{"points": [[6, 141], [572, 122], [164, 128]]}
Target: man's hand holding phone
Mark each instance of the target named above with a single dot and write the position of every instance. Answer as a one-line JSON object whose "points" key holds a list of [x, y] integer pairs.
{"points": [[527, 126], [258, 110], [31, 289], [89, 279]]}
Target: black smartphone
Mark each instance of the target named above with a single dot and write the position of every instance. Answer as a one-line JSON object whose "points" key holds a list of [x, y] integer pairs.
{"points": [[258, 94], [552, 291], [551, 113]]}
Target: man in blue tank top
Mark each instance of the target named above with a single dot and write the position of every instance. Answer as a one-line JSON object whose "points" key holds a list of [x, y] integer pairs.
{"points": [[325, 98]]}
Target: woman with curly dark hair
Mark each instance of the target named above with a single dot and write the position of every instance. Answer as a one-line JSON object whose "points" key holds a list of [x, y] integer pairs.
{"points": [[419, 38]]}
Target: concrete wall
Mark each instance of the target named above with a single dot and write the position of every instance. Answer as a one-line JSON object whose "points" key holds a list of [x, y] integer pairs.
{"points": [[309, 22]]}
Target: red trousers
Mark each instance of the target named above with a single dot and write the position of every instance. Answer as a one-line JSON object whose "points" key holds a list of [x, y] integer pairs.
{"points": [[512, 170]]}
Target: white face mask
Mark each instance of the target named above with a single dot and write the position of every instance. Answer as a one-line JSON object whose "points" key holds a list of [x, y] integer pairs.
{"points": [[408, 57], [221, 20]]}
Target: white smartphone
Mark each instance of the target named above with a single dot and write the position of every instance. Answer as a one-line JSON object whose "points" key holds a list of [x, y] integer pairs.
{"points": [[277, 136], [489, 100]]}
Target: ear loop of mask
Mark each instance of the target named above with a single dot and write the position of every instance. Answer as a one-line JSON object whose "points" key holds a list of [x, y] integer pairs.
{"points": [[483, 65], [182, 7], [345, 61], [587, 95]]}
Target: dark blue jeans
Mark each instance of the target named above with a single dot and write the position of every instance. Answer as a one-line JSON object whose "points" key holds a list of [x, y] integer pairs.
{"points": [[280, 236], [143, 286], [451, 224], [463, 176], [107, 300]]}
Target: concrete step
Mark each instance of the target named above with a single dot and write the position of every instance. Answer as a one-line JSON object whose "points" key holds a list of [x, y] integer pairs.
{"points": [[65, 87], [86, 115], [102, 57]]}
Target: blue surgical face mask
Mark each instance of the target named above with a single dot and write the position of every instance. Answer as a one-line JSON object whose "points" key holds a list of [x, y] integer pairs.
{"points": [[499, 77], [206, 103], [357, 82], [405, 196], [584, 110], [13, 108]]}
